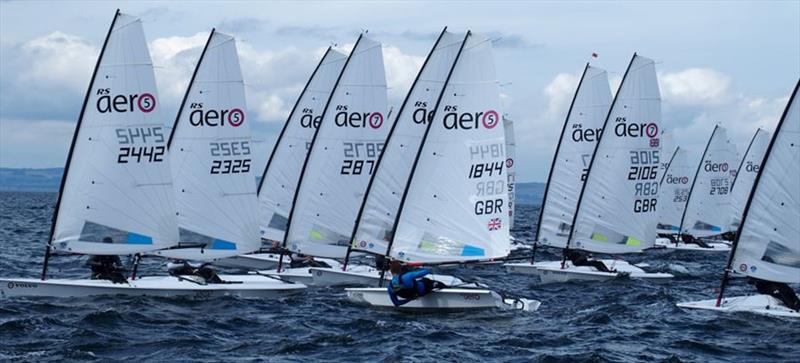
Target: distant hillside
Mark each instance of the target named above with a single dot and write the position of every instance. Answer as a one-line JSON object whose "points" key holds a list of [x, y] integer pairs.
{"points": [[44, 180], [33, 180]]}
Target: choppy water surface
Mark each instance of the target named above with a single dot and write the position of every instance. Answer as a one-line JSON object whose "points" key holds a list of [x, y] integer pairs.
{"points": [[623, 320]]}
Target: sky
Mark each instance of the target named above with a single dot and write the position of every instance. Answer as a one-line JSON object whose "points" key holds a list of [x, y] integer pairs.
{"points": [[732, 63]]}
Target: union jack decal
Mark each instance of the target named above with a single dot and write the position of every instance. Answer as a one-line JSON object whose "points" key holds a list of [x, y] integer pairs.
{"points": [[495, 224]]}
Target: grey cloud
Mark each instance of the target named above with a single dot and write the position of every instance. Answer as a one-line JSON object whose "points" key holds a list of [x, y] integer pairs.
{"points": [[511, 40], [243, 25], [327, 33]]}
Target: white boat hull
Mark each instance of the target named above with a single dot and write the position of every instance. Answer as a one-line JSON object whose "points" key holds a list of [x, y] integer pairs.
{"points": [[445, 299], [301, 275], [551, 271], [256, 261], [756, 304], [167, 286], [666, 244]]}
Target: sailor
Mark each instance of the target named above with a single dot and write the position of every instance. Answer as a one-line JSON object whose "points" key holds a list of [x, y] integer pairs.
{"points": [[778, 290], [185, 268], [690, 239], [107, 267], [380, 262], [580, 258], [408, 285], [301, 260]]}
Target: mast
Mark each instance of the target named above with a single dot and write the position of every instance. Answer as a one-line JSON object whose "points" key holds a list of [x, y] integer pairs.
{"points": [[286, 125], [380, 157], [419, 152], [189, 89], [591, 161], [72, 146], [727, 271], [311, 148], [694, 181], [555, 156]]}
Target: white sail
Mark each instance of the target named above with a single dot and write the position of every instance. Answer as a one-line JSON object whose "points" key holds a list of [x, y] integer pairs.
{"points": [[456, 204], [617, 208], [675, 185], [511, 173], [211, 154], [117, 185], [582, 128], [378, 215], [768, 245], [342, 157], [708, 209], [746, 176], [279, 181]]}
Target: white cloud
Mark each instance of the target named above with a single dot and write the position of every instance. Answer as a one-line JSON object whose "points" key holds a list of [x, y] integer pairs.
{"points": [[695, 86], [58, 60], [401, 70]]}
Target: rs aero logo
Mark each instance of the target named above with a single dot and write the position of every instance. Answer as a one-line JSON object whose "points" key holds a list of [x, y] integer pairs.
{"points": [[344, 118], [106, 102], [670, 179], [715, 167], [214, 118], [625, 129], [308, 120], [421, 116], [454, 120]]}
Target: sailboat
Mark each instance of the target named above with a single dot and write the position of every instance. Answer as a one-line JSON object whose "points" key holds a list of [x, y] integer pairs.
{"points": [[278, 182], [708, 205], [116, 195], [453, 203], [342, 157], [511, 173], [581, 130], [616, 208], [767, 245], [675, 184], [384, 192]]}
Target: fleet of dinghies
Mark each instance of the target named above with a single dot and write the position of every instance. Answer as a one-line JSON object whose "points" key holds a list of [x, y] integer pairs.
{"points": [[351, 185]]}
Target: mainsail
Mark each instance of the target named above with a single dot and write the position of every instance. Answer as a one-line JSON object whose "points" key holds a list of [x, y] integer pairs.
{"points": [[210, 149], [116, 194], [343, 153], [582, 128], [767, 246], [279, 181], [746, 175], [511, 173], [616, 210], [379, 212], [456, 200], [707, 211], [675, 185]]}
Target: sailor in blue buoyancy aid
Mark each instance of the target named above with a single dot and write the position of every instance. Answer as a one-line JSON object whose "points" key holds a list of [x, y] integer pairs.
{"points": [[408, 285]]}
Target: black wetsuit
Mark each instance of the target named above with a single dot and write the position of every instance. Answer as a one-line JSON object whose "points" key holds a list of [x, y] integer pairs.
{"points": [[690, 239], [107, 268], [778, 290], [579, 258], [207, 273], [301, 261]]}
